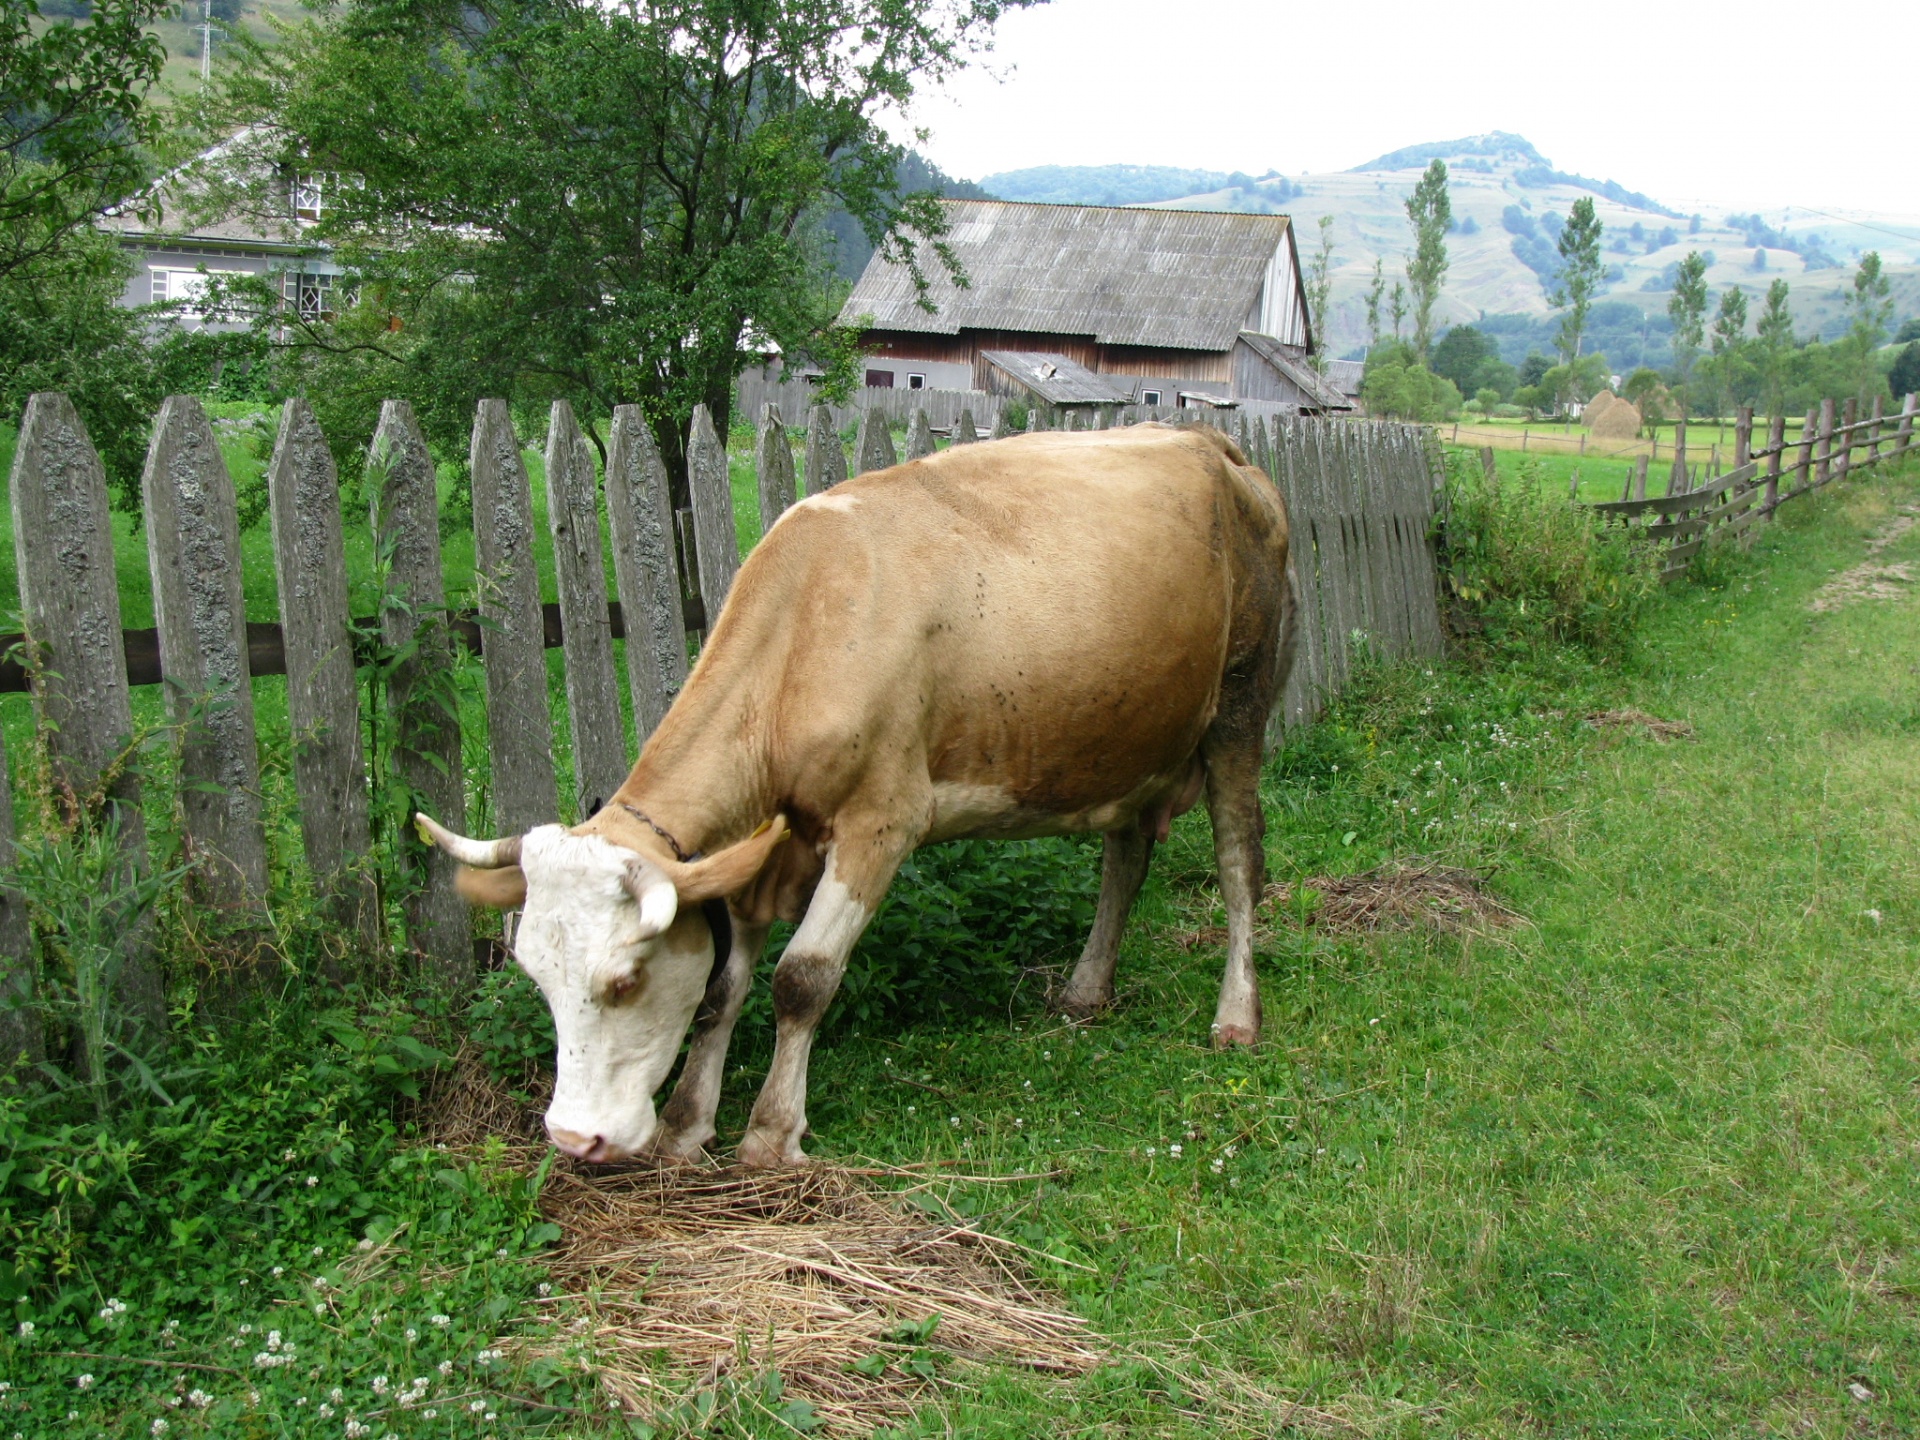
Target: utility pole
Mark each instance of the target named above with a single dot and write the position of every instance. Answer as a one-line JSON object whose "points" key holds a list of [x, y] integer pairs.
{"points": [[206, 41]]}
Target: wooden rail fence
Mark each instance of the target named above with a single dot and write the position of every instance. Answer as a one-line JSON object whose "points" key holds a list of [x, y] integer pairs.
{"points": [[1361, 496], [1689, 518]]}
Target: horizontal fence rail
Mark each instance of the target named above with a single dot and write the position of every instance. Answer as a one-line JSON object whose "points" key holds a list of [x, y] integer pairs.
{"points": [[1360, 496], [1691, 517]]}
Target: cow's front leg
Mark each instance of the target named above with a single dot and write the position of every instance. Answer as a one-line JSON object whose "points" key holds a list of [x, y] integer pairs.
{"points": [[686, 1124], [804, 984]]}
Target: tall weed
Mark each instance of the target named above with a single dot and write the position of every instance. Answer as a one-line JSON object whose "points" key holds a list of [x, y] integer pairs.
{"points": [[1523, 565]]}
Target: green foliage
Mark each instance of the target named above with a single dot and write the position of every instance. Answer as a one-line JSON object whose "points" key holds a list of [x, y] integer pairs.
{"points": [[1904, 378], [1530, 567], [1319, 290], [1430, 212], [1461, 353], [1869, 311], [1399, 385], [1579, 276], [1773, 342], [1688, 311], [623, 194], [74, 120]]}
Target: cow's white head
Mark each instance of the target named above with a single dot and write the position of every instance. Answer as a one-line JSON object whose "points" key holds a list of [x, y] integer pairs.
{"points": [[617, 943]]}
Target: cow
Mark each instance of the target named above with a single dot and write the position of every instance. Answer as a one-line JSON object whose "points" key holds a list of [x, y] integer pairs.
{"points": [[1051, 634]]}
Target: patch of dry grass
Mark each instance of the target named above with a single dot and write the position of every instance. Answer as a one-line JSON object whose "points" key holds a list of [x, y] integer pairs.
{"points": [[1650, 725]]}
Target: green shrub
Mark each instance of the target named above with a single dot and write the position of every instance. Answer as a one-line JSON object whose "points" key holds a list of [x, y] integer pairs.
{"points": [[1526, 565]]}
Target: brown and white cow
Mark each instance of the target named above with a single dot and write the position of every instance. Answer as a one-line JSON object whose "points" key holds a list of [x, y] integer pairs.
{"points": [[1050, 634]]}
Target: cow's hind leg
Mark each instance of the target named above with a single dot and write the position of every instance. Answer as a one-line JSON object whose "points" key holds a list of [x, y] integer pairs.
{"points": [[1233, 752], [804, 984], [686, 1123], [1123, 868]]}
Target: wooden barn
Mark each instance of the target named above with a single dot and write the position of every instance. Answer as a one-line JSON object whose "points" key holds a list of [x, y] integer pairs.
{"points": [[1157, 304]]}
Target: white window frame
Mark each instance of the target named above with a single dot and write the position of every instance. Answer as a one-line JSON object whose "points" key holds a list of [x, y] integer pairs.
{"points": [[177, 282], [916, 381], [1149, 397]]}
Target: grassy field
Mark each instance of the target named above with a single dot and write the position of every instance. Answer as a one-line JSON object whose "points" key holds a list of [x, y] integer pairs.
{"points": [[1643, 1166]]}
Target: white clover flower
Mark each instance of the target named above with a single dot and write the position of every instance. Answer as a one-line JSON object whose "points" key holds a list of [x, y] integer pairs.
{"points": [[273, 1339], [317, 1250], [298, 1402], [26, 1329], [412, 1334], [1150, 1152], [199, 1398], [446, 1367], [325, 1412], [430, 1413], [546, 1289], [318, 1308], [912, 1108], [312, 1180], [489, 1416], [173, 1402], [278, 1271], [159, 1427], [85, 1382], [477, 1406], [954, 1121], [246, 1329], [441, 1320], [421, 1382], [286, 1156], [1174, 1149], [501, 1253], [380, 1383], [1216, 1165], [364, 1246]]}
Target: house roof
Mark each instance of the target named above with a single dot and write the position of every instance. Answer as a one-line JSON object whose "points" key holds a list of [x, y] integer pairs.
{"points": [[1056, 379], [1178, 279], [1315, 387], [1346, 375], [176, 206]]}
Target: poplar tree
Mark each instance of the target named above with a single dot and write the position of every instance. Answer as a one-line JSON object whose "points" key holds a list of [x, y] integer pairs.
{"points": [[1376, 293], [1430, 212], [1774, 334], [1319, 291], [1579, 278], [1688, 311], [1869, 310]]}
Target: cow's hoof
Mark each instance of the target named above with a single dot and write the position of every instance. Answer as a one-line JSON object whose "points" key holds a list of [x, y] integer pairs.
{"points": [[679, 1147], [760, 1151], [1077, 1005], [1225, 1037]]}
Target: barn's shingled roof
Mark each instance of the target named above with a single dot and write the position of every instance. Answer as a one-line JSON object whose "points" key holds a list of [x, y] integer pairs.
{"points": [[1058, 380], [1181, 279]]}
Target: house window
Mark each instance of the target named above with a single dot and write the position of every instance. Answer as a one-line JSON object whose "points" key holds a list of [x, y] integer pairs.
{"points": [[916, 382], [186, 289], [1149, 397], [306, 197], [309, 296], [880, 379]]}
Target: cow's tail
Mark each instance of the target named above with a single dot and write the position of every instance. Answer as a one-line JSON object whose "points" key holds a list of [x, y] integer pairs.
{"points": [[1287, 643]]}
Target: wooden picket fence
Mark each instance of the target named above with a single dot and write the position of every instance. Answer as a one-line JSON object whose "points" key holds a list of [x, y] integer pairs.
{"points": [[1361, 496], [1690, 517]]}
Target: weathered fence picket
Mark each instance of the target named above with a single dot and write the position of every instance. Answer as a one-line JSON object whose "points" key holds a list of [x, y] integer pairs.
{"points": [[600, 759], [873, 446], [826, 460], [420, 685], [193, 556], [70, 605], [716, 541], [919, 435], [21, 1034], [519, 724], [773, 467], [640, 519], [964, 432], [323, 705]]}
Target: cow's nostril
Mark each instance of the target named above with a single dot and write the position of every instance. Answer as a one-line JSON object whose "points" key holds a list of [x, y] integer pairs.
{"points": [[580, 1147]]}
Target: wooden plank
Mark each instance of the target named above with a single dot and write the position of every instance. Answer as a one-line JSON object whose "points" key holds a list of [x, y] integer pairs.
{"points": [[1290, 448], [1330, 541], [826, 458], [1678, 504], [919, 435], [773, 467], [964, 430], [1847, 438], [1876, 421], [1678, 482], [1776, 454], [193, 556], [519, 723], [1803, 462], [873, 448], [580, 573], [21, 1034], [1823, 470], [1002, 426], [420, 690], [1742, 436], [1909, 407], [316, 656], [716, 538], [70, 606], [640, 517]]}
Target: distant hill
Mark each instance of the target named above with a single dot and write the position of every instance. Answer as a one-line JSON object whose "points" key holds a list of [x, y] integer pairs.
{"points": [[1509, 202]]}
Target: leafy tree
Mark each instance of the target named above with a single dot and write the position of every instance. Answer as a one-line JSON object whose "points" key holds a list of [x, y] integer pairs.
{"points": [[1319, 290], [1641, 385], [1904, 378], [1460, 354], [1909, 330], [1580, 275], [1773, 339], [1399, 385], [1688, 311], [1486, 398], [1376, 292], [1729, 332], [1534, 367], [1397, 307], [1869, 310], [74, 120], [1430, 212], [613, 203]]}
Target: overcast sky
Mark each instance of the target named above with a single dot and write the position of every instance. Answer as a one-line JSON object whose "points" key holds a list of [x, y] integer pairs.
{"points": [[1736, 104]]}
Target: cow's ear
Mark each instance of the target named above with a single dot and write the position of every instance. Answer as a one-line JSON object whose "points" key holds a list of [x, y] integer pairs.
{"points": [[501, 889], [730, 871]]}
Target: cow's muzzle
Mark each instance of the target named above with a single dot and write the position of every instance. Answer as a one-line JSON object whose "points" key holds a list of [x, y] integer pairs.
{"points": [[589, 1150]]}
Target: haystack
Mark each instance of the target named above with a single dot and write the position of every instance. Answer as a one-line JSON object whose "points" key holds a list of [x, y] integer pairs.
{"points": [[1618, 421], [1598, 406]]}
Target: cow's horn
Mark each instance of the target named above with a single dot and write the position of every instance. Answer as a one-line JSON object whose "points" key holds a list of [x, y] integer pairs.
{"points": [[480, 854], [653, 892]]}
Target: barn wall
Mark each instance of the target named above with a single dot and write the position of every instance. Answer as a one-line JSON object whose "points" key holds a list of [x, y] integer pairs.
{"points": [[1255, 379]]}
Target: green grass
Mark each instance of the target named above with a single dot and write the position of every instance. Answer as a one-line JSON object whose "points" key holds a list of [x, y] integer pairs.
{"points": [[1643, 1167]]}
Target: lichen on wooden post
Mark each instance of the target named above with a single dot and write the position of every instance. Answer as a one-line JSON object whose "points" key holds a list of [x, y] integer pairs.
{"points": [[964, 431], [773, 466], [420, 687], [640, 515], [586, 628], [919, 434], [323, 706], [513, 635], [193, 557], [873, 449], [70, 610], [716, 539], [826, 458]]}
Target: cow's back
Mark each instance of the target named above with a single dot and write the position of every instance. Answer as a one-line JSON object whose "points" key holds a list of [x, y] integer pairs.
{"points": [[1044, 619]]}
